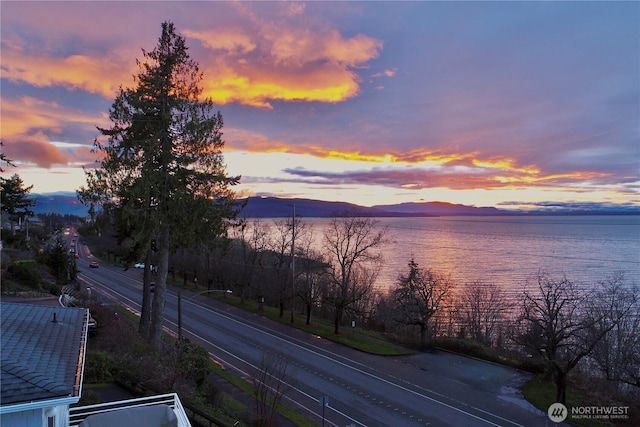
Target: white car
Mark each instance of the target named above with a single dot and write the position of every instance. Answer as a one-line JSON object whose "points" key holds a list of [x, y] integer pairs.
{"points": [[141, 265]]}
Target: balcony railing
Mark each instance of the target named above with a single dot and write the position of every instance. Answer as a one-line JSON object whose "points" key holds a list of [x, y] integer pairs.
{"points": [[79, 413]]}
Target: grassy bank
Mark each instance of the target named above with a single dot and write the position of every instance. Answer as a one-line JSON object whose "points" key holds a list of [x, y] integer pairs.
{"points": [[229, 409], [541, 392]]}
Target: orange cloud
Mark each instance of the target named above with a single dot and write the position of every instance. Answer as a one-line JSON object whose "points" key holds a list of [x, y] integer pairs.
{"points": [[36, 150], [265, 61], [426, 169], [258, 90], [252, 59], [232, 40], [554, 178], [21, 116], [353, 52], [101, 76], [412, 158], [418, 169], [237, 139], [356, 156], [29, 126], [26, 115], [437, 156], [446, 176], [472, 162], [505, 164]]}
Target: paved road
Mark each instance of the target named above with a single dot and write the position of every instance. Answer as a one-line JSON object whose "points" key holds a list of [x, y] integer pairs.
{"points": [[428, 389]]}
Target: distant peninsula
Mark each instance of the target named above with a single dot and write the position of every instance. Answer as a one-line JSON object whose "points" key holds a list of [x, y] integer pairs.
{"points": [[66, 203], [273, 207]]}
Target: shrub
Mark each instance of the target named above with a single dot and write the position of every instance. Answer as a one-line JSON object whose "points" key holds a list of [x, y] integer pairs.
{"points": [[24, 271], [8, 237], [534, 366], [98, 368], [56, 290], [194, 362]]}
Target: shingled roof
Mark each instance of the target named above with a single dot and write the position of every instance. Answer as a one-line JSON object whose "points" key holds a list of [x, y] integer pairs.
{"points": [[42, 353]]}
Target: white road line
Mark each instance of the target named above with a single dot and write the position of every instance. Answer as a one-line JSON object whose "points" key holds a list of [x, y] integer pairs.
{"points": [[246, 374], [308, 347], [360, 370]]}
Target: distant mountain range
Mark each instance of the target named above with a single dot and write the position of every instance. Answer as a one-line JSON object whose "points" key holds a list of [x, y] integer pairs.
{"points": [[63, 203], [273, 207], [66, 203]]}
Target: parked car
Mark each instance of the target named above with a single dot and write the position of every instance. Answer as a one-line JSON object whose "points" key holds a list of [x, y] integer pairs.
{"points": [[94, 264], [141, 265]]}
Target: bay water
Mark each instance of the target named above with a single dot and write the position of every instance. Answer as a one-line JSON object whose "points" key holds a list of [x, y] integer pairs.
{"points": [[510, 251]]}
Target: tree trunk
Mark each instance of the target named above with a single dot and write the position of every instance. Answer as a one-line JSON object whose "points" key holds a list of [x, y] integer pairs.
{"points": [[425, 334], [338, 320], [157, 312], [145, 312], [560, 379]]}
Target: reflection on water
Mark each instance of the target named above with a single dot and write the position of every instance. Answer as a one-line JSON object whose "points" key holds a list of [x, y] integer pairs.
{"points": [[508, 251]]}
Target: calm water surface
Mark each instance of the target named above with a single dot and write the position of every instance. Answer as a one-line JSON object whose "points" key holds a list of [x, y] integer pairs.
{"points": [[509, 251]]}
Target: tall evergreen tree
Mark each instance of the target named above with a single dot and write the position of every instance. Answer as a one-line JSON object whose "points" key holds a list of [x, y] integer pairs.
{"points": [[4, 159], [163, 176], [15, 197]]}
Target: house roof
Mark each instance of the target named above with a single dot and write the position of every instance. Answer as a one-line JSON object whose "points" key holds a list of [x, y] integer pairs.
{"points": [[43, 351]]}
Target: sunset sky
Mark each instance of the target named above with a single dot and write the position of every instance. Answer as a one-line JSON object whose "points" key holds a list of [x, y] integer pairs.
{"points": [[506, 104]]}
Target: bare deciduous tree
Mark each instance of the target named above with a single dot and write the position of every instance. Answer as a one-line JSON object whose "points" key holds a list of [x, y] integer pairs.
{"points": [[350, 242], [312, 274], [564, 324], [269, 387], [418, 296], [482, 306], [285, 233], [617, 354], [254, 239]]}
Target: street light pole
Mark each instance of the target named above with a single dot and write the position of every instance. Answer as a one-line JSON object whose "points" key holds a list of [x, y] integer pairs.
{"points": [[227, 291], [179, 317]]}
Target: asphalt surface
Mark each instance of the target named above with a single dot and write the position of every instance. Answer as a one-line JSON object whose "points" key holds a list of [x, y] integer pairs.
{"points": [[424, 389]]}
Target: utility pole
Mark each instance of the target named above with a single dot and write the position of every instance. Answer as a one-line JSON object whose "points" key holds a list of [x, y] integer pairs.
{"points": [[179, 318]]}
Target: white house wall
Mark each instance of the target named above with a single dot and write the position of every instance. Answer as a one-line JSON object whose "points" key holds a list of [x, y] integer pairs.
{"points": [[37, 417], [32, 418]]}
